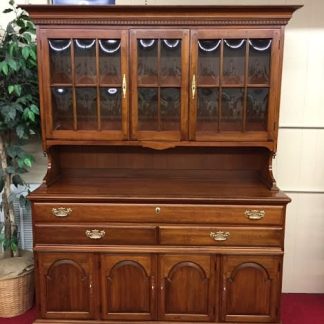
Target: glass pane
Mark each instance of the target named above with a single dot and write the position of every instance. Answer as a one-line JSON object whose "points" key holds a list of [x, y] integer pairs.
{"points": [[86, 101], [170, 65], [170, 109], [148, 109], [208, 61], [62, 108], [147, 61], [232, 109], [109, 58], [234, 59], [111, 108], [85, 61], [259, 61], [257, 109], [207, 109], [60, 60]]}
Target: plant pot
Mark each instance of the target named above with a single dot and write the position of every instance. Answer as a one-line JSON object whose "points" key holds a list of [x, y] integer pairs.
{"points": [[17, 294]]}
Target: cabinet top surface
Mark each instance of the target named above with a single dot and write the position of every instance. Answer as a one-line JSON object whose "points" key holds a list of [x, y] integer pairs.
{"points": [[164, 186]]}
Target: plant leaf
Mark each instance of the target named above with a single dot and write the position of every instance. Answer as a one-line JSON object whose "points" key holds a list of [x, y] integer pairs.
{"points": [[25, 52], [13, 64], [32, 53], [28, 161], [20, 131], [34, 109], [18, 89], [7, 10], [5, 68], [13, 246], [11, 89]]}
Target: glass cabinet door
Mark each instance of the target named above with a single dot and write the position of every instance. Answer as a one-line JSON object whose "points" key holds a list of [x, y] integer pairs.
{"points": [[159, 72], [231, 77], [88, 82]]}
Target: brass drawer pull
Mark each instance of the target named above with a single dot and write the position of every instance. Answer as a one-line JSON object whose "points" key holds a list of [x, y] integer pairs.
{"points": [[219, 235], [157, 210], [254, 214], [95, 234], [61, 211]]}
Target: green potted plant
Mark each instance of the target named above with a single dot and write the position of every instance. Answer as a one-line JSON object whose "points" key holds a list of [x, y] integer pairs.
{"points": [[19, 120]]}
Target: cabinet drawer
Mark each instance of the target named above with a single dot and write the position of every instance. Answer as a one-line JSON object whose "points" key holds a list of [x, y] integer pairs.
{"points": [[220, 235], [155, 213], [94, 234]]}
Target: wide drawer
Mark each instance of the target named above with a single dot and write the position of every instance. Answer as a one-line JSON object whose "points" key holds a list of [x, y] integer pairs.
{"points": [[154, 213], [94, 234], [220, 235]]}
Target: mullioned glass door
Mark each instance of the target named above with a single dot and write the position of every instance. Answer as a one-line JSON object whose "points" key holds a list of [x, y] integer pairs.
{"points": [[88, 83], [159, 70], [232, 81]]}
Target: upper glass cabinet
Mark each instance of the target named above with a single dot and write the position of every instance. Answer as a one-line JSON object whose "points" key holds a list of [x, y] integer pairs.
{"points": [[88, 82], [230, 88], [159, 80], [179, 85]]}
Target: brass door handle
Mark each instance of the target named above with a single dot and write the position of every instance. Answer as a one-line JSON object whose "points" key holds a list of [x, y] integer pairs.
{"points": [[95, 234], [219, 235], [157, 210], [61, 211], [124, 86], [193, 86], [254, 214]]}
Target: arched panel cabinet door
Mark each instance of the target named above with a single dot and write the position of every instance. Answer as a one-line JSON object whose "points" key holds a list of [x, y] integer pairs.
{"points": [[251, 288], [186, 285], [67, 285], [128, 287]]}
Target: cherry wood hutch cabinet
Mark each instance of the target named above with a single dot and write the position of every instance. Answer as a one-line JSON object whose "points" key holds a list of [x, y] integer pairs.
{"points": [[160, 125]]}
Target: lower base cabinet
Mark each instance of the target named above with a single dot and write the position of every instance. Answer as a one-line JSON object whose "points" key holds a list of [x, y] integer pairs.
{"points": [[67, 285], [128, 287], [164, 287], [251, 288]]}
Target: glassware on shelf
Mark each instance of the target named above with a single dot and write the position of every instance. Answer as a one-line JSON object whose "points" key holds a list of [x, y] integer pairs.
{"points": [[147, 66], [60, 61], [110, 61], [208, 61], [170, 62], [234, 61], [169, 108], [257, 109], [232, 102], [110, 108], [207, 109], [86, 107], [148, 108], [62, 108], [85, 61], [259, 61]]}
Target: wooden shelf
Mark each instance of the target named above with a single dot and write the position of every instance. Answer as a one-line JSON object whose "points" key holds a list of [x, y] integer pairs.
{"points": [[195, 186]]}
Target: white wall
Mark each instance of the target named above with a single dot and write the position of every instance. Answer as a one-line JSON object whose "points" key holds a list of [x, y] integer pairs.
{"points": [[299, 166]]}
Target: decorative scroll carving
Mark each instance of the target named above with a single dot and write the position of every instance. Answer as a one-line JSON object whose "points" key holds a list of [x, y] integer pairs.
{"points": [[53, 169], [267, 174]]}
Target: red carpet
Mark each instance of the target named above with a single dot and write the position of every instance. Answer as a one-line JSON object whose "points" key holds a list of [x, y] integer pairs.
{"points": [[302, 309], [296, 309]]}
